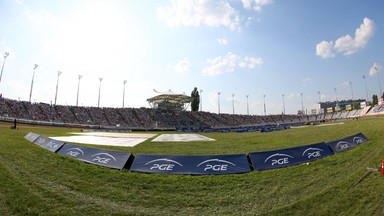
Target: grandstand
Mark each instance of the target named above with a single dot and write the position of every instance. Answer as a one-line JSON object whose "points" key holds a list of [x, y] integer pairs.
{"points": [[158, 117]]}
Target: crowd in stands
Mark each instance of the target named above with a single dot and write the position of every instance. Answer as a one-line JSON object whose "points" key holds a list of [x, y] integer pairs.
{"points": [[146, 117]]}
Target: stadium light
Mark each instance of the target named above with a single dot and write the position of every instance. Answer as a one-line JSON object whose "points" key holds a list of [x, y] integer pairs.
{"points": [[218, 102], [265, 108], [78, 88], [336, 95], [350, 85], [201, 100], [378, 78], [124, 82], [302, 104], [2, 68], [366, 88], [57, 84], [233, 104], [283, 104], [98, 102], [247, 105], [33, 77]]}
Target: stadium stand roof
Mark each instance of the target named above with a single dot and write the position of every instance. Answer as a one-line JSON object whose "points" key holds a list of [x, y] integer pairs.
{"points": [[170, 97]]}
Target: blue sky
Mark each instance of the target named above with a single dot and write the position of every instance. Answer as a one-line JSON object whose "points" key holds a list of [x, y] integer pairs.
{"points": [[237, 48]]}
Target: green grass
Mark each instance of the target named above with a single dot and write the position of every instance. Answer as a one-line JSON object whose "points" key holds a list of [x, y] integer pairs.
{"points": [[34, 181]]}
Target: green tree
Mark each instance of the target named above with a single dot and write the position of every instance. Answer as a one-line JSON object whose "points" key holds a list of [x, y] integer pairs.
{"points": [[374, 100], [195, 100], [356, 106]]}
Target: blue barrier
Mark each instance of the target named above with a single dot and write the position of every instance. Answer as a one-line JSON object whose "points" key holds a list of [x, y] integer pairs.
{"points": [[44, 142], [288, 157], [191, 165], [347, 143], [101, 157]]}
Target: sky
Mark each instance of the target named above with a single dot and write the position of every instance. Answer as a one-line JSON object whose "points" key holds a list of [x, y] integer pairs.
{"points": [[240, 54]]}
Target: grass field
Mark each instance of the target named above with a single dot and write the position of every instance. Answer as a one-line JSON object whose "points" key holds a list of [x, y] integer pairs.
{"points": [[34, 181]]}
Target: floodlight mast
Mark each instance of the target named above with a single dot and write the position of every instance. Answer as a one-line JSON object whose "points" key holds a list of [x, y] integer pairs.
{"points": [[265, 108], [33, 77], [366, 88], [378, 78], [98, 102], [124, 82], [247, 105], [2, 68], [283, 103], [57, 84], [78, 88], [218, 101]]}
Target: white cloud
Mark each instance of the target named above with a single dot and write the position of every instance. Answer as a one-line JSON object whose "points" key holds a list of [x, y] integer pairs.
{"points": [[200, 12], [228, 64], [250, 62], [222, 41], [256, 4], [324, 49], [347, 44], [374, 69], [183, 67]]}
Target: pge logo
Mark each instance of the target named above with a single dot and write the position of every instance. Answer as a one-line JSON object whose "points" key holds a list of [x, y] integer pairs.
{"points": [[216, 165], [163, 164], [102, 158], [52, 144], [41, 140], [358, 140], [74, 152], [312, 152], [278, 159], [342, 145]]}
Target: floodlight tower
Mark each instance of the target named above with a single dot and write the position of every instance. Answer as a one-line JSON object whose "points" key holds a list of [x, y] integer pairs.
{"points": [[201, 100], [283, 104], [366, 88], [2, 68], [378, 78], [302, 104], [247, 105], [78, 88], [350, 85], [336, 95], [33, 77], [98, 102], [265, 109], [57, 84], [124, 82], [218, 102], [233, 104]]}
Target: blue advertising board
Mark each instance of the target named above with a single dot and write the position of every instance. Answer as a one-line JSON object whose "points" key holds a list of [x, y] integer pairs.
{"points": [[101, 157], [31, 136], [44, 142], [347, 143], [288, 157], [191, 165]]}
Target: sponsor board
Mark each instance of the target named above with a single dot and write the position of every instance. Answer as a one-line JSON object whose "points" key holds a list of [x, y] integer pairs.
{"points": [[49, 144], [289, 157], [101, 157], [347, 143], [31, 136], [191, 165]]}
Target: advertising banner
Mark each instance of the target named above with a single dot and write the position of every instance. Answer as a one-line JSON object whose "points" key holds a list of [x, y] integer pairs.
{"points": [[191, 165], [288, 157], [347, 143], [48, 143], [31, 136], [101, 157]]}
